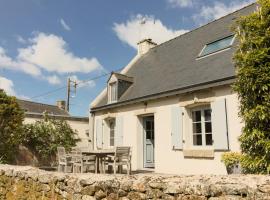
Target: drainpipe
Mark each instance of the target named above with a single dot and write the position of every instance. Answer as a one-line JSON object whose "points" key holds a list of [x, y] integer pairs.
{"points": [[93, 129]]}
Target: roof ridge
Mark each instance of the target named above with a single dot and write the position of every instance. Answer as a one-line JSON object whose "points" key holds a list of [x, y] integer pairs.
{"points": [[203, 25], [38, 103], [118, 73]]}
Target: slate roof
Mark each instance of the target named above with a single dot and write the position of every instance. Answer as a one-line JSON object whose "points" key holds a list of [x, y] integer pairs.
{"points": [[173, 65], [31, 107]]}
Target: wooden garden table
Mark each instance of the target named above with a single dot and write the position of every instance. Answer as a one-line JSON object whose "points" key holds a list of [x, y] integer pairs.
{"points": [[100, 155]]}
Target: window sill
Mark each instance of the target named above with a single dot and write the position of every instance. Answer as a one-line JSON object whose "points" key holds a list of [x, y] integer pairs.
{"points": [[199, 154]]}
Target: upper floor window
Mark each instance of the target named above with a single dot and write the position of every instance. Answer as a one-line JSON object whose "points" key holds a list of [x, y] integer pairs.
{"points": [[113, 92], [117, 85], [217, 46], [202, 127]]}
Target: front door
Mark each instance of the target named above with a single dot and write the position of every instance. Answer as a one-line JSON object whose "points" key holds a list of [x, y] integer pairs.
{"points": [[149, 141]]}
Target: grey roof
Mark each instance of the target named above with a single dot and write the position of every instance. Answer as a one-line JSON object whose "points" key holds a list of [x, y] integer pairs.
{"points": [[31, 107], [173, 65]]}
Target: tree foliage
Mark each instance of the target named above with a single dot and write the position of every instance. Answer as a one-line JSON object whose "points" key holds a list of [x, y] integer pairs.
{"points": [[11, 118], [253, 87], [44, 136]]}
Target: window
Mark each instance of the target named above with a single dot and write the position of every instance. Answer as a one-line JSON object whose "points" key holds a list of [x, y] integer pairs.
{"points": [[217, 45], [202, 127], [112, 131], [113, 92]]}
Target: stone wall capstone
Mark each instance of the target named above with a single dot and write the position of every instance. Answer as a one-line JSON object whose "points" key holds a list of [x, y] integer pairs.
{"points": [[22, 182]]}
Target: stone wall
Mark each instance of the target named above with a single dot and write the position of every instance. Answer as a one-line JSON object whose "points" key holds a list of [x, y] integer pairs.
{"points": [[31, 183]]}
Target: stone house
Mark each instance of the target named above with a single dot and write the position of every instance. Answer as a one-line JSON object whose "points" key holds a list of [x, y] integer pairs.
{"points": [[173, 103]]}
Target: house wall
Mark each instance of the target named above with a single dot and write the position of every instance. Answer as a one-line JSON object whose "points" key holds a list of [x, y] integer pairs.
{"points": [[168, 160], [80, 126]]}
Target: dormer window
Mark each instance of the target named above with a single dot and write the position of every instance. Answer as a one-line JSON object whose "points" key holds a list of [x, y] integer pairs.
{"points": [[217, 46], [113, 92], [117, 86]]}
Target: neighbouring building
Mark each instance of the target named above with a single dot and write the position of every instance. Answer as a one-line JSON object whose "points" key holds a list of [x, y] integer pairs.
{"points": [[35, 111], [173, 103]]}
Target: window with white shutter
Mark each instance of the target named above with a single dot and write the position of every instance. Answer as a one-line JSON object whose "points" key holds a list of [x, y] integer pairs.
{"points": [[202, 126]]}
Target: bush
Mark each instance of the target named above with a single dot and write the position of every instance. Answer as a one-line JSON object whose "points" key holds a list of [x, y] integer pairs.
{"points": [[231, 159], [253, 87], [44, 136], [11, 118]]}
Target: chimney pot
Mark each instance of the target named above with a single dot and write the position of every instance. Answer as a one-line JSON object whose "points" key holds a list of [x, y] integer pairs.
{"points": [[145, 45], [61, 104]]}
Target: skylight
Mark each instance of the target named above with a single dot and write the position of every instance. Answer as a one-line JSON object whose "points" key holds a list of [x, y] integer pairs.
{"points": [[217, 46]]}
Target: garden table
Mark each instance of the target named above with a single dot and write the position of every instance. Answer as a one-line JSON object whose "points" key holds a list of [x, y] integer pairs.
{"points": [[100, 155]]}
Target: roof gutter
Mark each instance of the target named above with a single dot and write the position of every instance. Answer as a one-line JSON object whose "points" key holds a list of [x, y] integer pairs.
{"points": [[190, 88]]}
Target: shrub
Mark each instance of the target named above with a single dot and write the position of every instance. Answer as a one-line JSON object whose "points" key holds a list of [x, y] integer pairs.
{"points": [[11, 118], [44, 136], [231, 159]]}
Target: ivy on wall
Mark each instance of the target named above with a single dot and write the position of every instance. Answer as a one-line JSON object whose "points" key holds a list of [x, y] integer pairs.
{"points": [[252, 60]]}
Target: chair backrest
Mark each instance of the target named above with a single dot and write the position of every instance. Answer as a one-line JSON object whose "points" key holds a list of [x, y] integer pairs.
{"points": [[61, 154], [76, 154], [122, 152], [61, 151]]}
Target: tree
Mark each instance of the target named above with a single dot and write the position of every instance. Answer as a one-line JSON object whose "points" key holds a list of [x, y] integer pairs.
{"points": [[11, 118], [44, 136], [252, 60]]}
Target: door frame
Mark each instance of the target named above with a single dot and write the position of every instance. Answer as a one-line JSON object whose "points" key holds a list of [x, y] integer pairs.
{"points": [[148, 165]]}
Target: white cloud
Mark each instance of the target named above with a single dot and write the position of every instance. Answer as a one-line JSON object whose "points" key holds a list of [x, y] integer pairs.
{"points": [[7, 85], [54, 80], [180, 3], [47, 53], [81, 83], [219, 9], [50, 52], [20, 39], [7, 62], [133, 31], [65, 25]]}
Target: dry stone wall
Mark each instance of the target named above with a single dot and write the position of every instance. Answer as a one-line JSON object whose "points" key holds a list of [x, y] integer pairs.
{"points": [[31, 183]]}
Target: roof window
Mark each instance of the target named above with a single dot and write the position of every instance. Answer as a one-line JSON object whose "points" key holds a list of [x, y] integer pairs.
{"points": [[218, 45]]}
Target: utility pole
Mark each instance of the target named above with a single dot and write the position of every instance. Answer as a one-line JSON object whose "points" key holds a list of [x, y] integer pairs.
{"points": [[74, 85]]}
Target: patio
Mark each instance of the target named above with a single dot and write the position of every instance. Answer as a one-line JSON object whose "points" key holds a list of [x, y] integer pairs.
{"points": [[81, 160]]}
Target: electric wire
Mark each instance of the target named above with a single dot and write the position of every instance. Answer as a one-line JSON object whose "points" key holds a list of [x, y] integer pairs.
{"points": [[78, 83]]}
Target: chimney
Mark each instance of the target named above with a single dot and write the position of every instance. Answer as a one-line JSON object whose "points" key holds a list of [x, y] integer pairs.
{"points": [[145, 45], [61, 104]]}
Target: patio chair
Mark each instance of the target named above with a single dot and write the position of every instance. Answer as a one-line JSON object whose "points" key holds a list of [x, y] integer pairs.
{"points": [[81, 162], [64, 160], [121, 157]]}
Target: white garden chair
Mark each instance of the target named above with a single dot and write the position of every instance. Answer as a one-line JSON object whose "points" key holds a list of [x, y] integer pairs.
{"points": [[64, 160], [121, 157]]}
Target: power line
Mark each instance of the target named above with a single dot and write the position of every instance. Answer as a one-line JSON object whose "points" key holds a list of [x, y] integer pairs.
{"points": [[48, 93], [64, 87]]}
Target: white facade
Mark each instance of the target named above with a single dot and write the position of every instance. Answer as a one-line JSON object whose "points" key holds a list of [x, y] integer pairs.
{"points": [[174, 151]]}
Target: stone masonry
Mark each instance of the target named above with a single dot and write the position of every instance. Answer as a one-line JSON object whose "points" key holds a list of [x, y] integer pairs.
{"points": [[31, 183]]}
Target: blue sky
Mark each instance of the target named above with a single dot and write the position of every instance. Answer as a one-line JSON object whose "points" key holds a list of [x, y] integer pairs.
{"points": [[42, 42]]}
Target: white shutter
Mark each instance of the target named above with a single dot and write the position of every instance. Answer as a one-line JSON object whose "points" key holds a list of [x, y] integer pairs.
{"points": [[118, 138], [177, 128], [99, 133], [219, 125]]}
